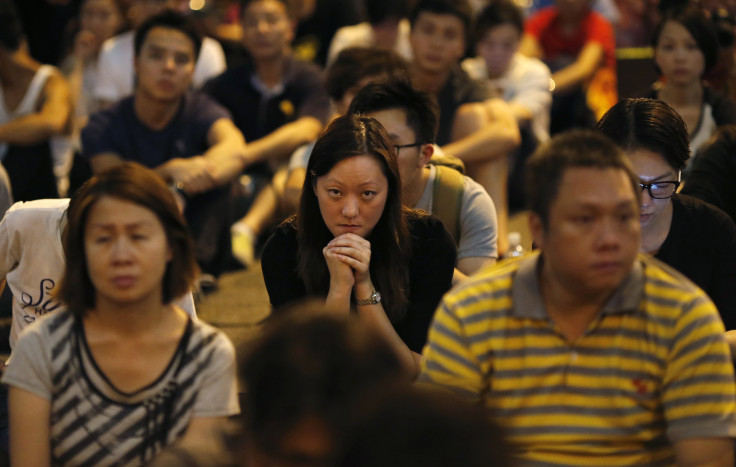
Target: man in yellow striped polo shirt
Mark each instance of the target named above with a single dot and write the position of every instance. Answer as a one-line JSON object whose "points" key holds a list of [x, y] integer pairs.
{"points": [[587, 352]]}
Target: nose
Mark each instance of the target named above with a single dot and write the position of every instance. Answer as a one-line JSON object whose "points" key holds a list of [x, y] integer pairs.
{"points": [[350, 207], [646, 198], [262, 26], [169, 62], [121, 249], [609, 234]]}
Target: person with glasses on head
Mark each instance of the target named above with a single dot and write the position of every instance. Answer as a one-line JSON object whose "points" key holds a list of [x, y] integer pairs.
{"points": [[694, 237]]}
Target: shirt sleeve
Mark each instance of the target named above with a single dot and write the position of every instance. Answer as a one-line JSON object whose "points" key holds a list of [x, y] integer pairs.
{"points": [[478, 223], [698, 392], [448, 360], [600, 30], [218, 395], [10, 243], [30, 366], [533, 88], [278, 263]]}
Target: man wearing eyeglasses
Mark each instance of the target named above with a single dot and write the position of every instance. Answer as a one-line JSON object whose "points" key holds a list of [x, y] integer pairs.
{"points": [[411, 119], [588, 352], [696, 238]]}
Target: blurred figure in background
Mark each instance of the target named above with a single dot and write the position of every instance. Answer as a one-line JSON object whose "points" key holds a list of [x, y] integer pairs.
{"points": [[116, 76], [685, 49], [185, 136], [36, 118], [714, 171], [578, 45], [464, 207], [387, 28]]}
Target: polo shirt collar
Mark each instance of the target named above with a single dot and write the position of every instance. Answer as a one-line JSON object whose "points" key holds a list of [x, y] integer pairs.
{"points": [[527, 295]]}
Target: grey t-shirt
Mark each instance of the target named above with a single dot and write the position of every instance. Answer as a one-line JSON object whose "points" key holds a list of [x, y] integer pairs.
{"points": [[93, 422], [478, 222]]}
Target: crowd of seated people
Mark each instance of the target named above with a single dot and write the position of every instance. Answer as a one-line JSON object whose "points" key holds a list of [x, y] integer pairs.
{"points": [[370, 153]]}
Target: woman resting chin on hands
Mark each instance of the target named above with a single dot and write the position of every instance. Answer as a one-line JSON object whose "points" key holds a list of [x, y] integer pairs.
{"points": [[348, 258], [354, 244]]}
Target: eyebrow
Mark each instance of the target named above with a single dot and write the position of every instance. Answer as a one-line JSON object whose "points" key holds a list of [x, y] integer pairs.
{"points": [[658, 178], [618, 204], [110, 225], [341, 182]]}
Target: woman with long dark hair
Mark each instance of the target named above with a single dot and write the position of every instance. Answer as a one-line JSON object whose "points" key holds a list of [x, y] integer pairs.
{"points": [[354, 244]]}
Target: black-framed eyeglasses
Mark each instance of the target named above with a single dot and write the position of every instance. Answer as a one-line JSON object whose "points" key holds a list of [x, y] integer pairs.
{"points": [[663, 189], [399, 147]]}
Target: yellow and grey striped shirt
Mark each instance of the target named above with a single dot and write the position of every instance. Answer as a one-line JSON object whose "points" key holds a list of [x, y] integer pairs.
{"points": [[653, 368]]}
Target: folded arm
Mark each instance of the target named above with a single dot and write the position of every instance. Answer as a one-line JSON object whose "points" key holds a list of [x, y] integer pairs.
{"points": [[53, 118], [281, 142]]}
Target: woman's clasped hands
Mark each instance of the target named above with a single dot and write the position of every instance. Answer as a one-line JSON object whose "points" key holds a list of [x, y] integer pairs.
{"points": [[348, 258]]}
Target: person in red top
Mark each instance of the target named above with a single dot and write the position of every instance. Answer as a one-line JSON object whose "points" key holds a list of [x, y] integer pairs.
{"points": [[578, 45]]}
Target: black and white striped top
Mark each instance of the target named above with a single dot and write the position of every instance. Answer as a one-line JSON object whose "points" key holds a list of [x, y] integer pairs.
{"points": [[94, 423]]}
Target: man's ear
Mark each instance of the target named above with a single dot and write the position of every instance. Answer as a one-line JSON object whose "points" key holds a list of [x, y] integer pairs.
{"points": [[536, 226], [425, 154]]}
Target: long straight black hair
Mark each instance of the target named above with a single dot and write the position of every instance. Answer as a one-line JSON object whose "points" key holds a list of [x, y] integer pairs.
{"points": [[347, 137]]}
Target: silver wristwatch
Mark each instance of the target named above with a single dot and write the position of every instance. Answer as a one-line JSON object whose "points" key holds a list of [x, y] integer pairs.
{"points": [[374, 299]]}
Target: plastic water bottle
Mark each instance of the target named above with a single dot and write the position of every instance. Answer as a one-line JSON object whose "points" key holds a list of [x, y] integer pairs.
{"points": [[515, 248]]}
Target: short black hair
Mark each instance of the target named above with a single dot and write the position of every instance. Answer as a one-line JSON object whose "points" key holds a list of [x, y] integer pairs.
{"points": [[378, 11], [692, 18], [422, 113], [573, 149], [308, 363], [458, 8], [648, 124], [498, 13], [171, 20], [289, 4], [355, 63], [11, 28]]}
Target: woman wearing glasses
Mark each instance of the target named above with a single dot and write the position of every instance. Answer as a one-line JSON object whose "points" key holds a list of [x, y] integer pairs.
{"points": [[353, 243], [685, 49], [694, 237]]}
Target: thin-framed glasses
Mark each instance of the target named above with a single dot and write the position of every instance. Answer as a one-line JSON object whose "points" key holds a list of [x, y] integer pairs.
{"points": [[399, 147], [662, 189]]}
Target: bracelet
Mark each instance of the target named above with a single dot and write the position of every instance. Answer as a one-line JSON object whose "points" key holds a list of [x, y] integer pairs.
{"points": [[374, 299]]}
